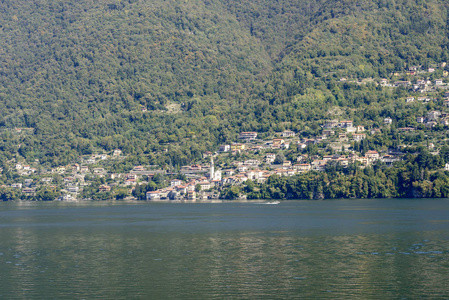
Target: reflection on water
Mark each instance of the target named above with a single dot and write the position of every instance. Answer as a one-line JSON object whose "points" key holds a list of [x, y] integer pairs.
{"points": [[237, 250]]}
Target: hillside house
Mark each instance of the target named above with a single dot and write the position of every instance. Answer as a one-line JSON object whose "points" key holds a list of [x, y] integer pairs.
{"points": [[402, 83], [236, 146], [175, 182], [328, 132], [433, 115], [207, 154], [270, 157], [372, 155], [358, 137], [346, 124], [224, 148], [302, 168], [248, 135], [384, 82], [277, 142], [431, 124], [288, 133], [331, 124], [286, 163]]}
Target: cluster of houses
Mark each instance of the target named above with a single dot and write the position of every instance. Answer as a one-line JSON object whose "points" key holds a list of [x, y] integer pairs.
{"points": [[420, 83], [203, 180], [433, 118], [72, 178], [259, 168], [252, 169]]}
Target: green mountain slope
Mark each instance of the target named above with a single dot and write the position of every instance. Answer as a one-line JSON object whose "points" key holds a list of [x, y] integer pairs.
{"points": [[80, 72], [371, 38]]}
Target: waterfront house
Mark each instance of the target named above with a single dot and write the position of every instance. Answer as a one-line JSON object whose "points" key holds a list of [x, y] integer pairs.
{"points": [[16, 185], [104, 188], [205, 185], [191, 195], [29, 191], [72, 189], [153, 195], [181, 189]]}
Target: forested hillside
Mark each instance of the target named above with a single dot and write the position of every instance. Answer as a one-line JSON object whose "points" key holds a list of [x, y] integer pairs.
{"points": [[184, 76]]}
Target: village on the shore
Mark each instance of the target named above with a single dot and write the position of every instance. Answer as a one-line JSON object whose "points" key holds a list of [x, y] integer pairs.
{"points": [[249, 158]]}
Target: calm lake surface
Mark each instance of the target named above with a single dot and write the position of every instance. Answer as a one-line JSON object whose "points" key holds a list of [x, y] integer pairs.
{"points": [[344, 249]]}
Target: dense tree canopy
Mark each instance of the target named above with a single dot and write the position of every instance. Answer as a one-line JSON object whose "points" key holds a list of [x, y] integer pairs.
{"points": [[144, 75]]}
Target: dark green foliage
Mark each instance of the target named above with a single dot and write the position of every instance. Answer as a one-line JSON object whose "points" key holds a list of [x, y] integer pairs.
{"points": [[421, 176], [78, 73]]}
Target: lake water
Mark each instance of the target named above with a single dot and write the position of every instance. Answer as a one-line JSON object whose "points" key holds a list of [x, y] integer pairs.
{"points": [[344, 249]]}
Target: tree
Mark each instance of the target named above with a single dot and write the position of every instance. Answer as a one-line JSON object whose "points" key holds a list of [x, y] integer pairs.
{"points": [[279, 159]]}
